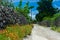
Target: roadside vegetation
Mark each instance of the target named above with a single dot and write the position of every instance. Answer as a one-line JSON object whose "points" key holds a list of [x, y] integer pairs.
{"points": [[57, 29], [48, 15], [56, 20], [15, 32], [15, 24]]}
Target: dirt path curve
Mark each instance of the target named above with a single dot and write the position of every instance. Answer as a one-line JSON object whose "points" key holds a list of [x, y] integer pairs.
{"points": [[43, 33]]}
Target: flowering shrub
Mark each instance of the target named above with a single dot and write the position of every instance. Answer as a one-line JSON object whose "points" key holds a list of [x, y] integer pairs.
{"points": [[9, 16]]}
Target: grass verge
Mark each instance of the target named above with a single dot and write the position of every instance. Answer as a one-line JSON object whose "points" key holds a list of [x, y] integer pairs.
{"points": [[15, 32], [56, 29]]}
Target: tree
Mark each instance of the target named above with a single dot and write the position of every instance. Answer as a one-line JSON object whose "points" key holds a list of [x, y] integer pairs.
{"points": [[45, 9], [25, 10], [8, 3]]}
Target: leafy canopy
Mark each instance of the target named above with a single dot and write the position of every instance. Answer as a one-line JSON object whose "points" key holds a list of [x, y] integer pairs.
{"points": [[45, 9]]}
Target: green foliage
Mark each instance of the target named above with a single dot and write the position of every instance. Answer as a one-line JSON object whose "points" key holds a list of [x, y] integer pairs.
{"points": [[46, 18], [15, 32], [53, 28], [52, 19], [20, 4], [24, 10], [34, 21], [56, 16], [7, 3], [3, 37], [45, 10], [56, 29]]}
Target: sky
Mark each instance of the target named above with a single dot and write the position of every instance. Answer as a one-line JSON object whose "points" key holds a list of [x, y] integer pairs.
{"points": [[56, 4], [25, 0]]}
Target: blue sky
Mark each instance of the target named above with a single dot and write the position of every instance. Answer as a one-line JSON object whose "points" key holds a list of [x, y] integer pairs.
{"points": [[25, 0], [56, 4]]}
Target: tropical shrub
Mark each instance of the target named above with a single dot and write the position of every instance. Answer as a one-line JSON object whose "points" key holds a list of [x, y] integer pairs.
{"points": [[56, 19], [9, 16], [53, 21]]}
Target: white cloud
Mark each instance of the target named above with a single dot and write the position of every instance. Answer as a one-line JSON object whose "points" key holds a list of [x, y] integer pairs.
{"points": [[33, 17], [59, 7], [33, 14], [55, 0]]}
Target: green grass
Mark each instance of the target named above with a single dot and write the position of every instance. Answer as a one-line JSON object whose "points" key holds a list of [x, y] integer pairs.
{"points": [[15, 32], [56, 29]]}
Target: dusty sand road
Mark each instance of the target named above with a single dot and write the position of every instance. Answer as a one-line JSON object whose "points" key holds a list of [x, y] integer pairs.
{"points": [[43, 33]]}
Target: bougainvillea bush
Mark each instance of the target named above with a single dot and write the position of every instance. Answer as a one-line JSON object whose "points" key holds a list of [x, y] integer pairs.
{"points": [[9, 16]]}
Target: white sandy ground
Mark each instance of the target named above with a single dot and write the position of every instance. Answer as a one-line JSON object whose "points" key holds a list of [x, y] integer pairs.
{"points": [[43, 33]]}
